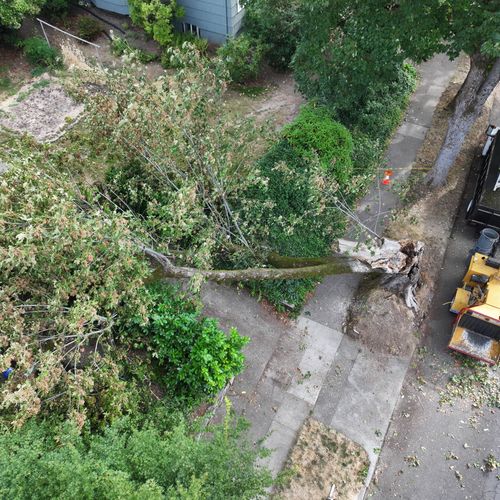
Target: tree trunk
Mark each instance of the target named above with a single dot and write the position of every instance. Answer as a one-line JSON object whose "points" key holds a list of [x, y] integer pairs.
{"points": [[393, 257], [399, 260], [481, 80]]}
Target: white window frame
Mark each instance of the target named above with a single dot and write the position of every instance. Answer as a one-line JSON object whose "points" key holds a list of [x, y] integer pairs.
{"points": [[239, 7], [191, 28]]}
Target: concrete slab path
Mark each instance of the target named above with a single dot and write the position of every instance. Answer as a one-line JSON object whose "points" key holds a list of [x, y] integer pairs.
{"points": [[375, 208], [309, 367]]}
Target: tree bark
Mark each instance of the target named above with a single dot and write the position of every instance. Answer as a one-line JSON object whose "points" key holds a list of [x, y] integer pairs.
{"points": [[390, 257], [481, 80]]}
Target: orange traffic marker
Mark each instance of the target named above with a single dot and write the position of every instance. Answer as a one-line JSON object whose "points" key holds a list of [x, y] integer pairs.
{"points": [[387, 177]]}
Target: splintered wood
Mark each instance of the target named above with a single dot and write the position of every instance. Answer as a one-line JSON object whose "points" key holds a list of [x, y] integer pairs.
{"points": [[400, 260]]}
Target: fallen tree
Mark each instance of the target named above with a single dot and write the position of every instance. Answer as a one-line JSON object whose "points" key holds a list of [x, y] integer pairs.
{"points": [[398, 259], [72, 285]]}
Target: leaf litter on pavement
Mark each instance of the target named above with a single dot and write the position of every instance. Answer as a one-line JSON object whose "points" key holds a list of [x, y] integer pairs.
{"points": [[475, 381]]}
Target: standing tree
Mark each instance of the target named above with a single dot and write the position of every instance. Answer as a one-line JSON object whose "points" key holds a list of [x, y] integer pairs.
{"points": [[428, 27], [350, 50], [347, 54]]}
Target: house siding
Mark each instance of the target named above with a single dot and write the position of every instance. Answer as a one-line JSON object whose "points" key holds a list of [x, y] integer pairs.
{"points": [[210, 16], [216, 19], [236, 18], [118, 6]]}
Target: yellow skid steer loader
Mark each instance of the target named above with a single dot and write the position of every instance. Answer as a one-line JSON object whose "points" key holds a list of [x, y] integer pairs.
{"points": [[476, 331]]}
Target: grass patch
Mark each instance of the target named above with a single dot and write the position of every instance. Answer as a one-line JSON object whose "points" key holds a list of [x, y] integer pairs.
{"points": [[6, 84], [323, 457], [250, 90]]}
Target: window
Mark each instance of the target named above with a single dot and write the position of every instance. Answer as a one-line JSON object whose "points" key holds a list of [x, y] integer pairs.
{"points": [[239, 8], [190, 28]]}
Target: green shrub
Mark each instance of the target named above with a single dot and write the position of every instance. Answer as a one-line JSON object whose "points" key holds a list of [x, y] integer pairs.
{"points": [[276, 24], [194, 355], [298, 224], [13, 13], [242, 57], [39, 53], [120, 46], [146, 57], [285, 295], [299, 220], [183, 43], [314, 132], [56, 8], [201, 44], [10, 37], [130, 460], [156, 18], [89, 28]]}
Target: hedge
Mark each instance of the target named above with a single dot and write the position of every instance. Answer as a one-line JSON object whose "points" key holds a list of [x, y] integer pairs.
{"points": [[315, 132]]}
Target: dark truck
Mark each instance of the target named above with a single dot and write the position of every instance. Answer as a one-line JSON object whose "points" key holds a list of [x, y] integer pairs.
{"points": [[484, 208]]}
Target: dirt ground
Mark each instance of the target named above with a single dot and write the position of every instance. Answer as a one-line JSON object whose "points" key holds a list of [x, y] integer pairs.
{"points": [[43, 111], [429, 219], [278, 102], [14, 70], [41, 108], [321, 458]]}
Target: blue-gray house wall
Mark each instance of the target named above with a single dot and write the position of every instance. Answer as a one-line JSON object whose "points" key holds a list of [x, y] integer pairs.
{"points": [[211, 17], [237, 14], [118, 6], [215, 20]]}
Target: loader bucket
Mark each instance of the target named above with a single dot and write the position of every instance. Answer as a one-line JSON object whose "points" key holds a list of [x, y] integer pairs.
{"points": [[475, 345]]}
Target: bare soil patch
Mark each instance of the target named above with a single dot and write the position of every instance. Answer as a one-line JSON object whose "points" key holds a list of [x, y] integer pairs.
{"points": [[278, 104], [41, 109], [14, 70], [323, 457], [380, 321]]}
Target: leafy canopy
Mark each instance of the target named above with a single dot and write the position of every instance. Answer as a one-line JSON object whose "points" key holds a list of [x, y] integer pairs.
{"points": [[156, 17], [130, 460], [12, 13], [68, 274], [188, 159], [428, 27], [349, 51]]}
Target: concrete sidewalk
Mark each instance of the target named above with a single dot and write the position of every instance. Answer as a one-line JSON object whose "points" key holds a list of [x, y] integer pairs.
{"points": [[376, 207], [309, 367]]}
